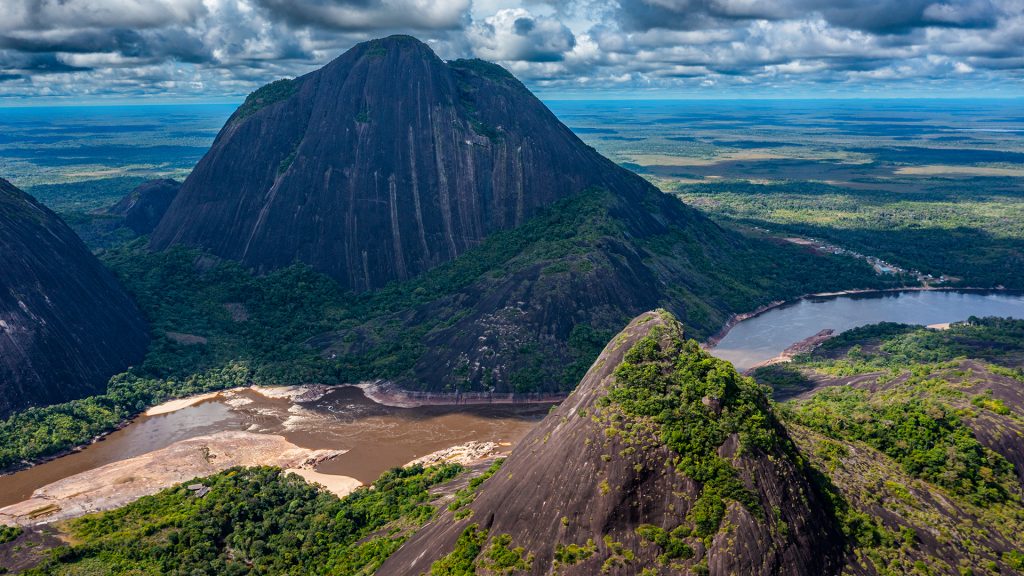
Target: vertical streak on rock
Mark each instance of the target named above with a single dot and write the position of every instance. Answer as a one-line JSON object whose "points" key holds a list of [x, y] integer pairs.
{"points": [[366, 271], [269, 199], [460, 224], [396, 236], [350, 237], [471, 217], [442, 189], [520, 198], [335, 236], [416, 197]]}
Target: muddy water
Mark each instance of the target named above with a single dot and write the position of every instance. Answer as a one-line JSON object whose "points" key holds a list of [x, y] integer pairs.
{"points": [[377, 437]]}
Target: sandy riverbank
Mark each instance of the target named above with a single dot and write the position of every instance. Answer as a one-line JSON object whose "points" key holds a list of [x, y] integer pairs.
{"points": [[179, 403], [341, 486], [802, 347], [122, 482], [303, 393]]}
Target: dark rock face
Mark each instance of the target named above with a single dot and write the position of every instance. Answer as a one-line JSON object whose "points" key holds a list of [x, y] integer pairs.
{"points": [[381, 165], [571, 481], [144, 206], [66, 325]]}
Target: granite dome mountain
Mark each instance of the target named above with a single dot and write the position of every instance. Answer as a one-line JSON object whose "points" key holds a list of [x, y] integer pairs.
{"points": [[66, 325], [381, 165], [484, 246]]}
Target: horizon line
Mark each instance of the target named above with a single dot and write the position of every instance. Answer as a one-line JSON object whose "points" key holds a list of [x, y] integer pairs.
{"points": [[236, 101]]}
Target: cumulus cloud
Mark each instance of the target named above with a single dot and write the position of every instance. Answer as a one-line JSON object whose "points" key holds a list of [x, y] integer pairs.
{"points": [[360, 15], [516, 35], [77, 49]]}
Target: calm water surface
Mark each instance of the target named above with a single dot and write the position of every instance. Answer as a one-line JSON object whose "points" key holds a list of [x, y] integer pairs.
{"points": [[764, 337]]}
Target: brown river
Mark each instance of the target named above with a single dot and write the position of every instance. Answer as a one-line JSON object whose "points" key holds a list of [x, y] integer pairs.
{"points": [[376, 437]]}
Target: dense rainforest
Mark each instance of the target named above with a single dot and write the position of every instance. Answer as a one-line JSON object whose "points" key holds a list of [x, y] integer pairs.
{"points": [[971, 231]]}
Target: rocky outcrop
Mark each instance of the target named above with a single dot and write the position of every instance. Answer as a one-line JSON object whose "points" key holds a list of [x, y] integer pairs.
{"points": [[381, 165], [144, 206], [66, 325], [597, 489]]}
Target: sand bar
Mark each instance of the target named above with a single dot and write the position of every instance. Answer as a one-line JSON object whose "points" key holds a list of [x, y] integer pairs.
{"points": [[119, 483], [178, 404], [341, 486]]}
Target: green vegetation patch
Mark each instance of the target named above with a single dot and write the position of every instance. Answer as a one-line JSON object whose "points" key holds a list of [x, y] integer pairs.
{"points": [[501, 558], [924, 435], [462, 560], [971, 229], [571, 554], [672, 543], [276, 91], [9, 533], [253, 521], [696, 402], [466, 495]]}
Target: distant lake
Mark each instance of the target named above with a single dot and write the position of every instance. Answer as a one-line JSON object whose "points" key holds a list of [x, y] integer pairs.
{"points": [[765, 336]]}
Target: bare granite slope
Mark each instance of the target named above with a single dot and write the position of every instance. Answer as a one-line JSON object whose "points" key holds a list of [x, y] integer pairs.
{"points": [[381, 165], [66, 325]]}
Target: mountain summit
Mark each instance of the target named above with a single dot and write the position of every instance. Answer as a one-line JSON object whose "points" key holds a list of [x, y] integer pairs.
{"points": [[381, 165], [512, 250], [66, 325]]}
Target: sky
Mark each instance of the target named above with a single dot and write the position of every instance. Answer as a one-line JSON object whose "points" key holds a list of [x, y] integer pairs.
{"points": [[148, 51]]}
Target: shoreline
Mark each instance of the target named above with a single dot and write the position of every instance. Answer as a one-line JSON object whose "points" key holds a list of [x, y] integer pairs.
{"points": [[381, 392], [164, 408], [26, 464], [377, 391], [180, 403], [802, 347], [716, 338], [118, 483]]}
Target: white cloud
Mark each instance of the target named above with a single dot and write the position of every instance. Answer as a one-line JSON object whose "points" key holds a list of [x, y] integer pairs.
{"points": [[41, 14], [514, 34], [229, 47]]}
